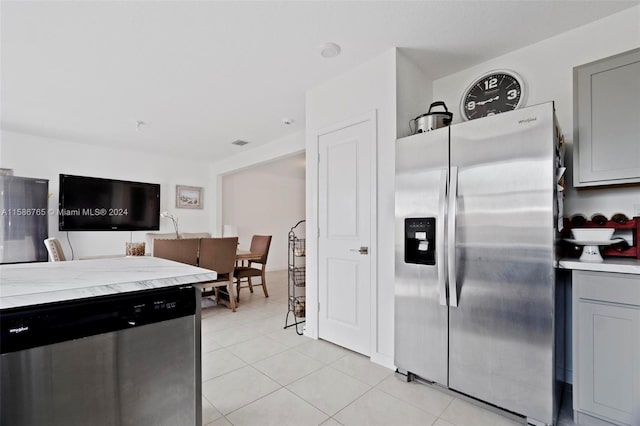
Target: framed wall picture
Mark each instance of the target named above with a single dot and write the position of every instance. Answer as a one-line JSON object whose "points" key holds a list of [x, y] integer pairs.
{"points": [[189, 197]]}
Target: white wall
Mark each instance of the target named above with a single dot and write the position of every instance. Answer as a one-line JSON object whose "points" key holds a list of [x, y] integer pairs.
{"points": [[414, 91], [369, 87], [246, 158], [46, 158], [267, 199], [547, 67]]}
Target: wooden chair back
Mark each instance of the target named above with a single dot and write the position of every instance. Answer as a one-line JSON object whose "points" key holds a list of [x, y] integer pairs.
{"points": [[219, 254], [184, 251], [260, 244]]}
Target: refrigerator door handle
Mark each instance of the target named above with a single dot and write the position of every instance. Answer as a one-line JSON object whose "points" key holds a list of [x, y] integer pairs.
{"points": [[451, 234], [440, 261]]}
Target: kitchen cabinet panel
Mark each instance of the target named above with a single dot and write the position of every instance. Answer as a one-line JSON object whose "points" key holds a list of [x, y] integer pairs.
{"points": [[607, 128], [607, 350], [606, 333]]}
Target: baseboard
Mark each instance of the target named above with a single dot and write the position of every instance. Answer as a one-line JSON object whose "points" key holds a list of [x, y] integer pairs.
{"points": [[309, 331], [383, 360], [585, 419]]}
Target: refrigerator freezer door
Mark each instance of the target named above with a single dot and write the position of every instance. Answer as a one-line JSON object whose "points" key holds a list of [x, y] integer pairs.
{"points": [[23, 219], [420, 293], [501, 334]]}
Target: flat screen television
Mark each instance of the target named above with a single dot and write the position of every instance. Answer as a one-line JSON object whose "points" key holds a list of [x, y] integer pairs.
{"points": [[95, 204]]}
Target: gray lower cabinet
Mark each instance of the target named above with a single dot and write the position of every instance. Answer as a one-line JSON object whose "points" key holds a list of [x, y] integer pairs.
{"points": [[606, 124], [606, 348]]}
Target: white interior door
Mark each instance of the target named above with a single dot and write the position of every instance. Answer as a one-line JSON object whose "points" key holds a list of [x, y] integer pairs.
{"points": [[345, 217]]}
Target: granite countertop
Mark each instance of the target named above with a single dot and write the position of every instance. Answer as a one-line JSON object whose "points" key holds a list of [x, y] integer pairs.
{"points": [[619, 265], [35, 283]]}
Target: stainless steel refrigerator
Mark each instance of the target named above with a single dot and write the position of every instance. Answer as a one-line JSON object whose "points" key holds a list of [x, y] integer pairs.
{"points": [[475, 259], [24, 221]]}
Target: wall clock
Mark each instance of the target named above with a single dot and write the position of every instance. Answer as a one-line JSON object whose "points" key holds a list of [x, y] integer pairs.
{"points": [[492, 93]]}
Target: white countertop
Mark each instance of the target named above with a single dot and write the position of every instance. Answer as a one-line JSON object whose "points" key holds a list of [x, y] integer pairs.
{"points": [[621, 265], [35, 283]]}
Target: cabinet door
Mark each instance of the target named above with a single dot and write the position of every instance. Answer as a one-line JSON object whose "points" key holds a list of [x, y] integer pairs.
{"points": [[607, 128], [609, 366]]}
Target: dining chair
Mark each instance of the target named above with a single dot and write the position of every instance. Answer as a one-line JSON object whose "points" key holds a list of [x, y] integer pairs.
{"points": [[54, 248], [259, 245], [183, 251], [219, 254]]}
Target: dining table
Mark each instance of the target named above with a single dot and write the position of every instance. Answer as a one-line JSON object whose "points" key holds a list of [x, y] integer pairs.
{"points": [[246, 256]]}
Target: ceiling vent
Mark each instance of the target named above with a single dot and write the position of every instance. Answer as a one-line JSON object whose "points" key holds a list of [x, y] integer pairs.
{"points": [[239, 142]]}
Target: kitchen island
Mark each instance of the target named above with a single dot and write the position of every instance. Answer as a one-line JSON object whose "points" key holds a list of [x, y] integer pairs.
{"points": [[101, 342], [29, 284]]}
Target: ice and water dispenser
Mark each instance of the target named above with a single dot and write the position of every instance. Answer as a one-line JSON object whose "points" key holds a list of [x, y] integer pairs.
{"points": [[420, 240]]}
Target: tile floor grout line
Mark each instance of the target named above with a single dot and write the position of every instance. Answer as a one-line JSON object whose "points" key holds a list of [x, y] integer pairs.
{"points": [[335, 420], [310, 403], [216, 408], [269, 336], [251, 402], [224, 374], [255, 400], [274, 391], [448, 405], [301, 377], [314, 340], [416, 405], [238, 342], [335, 369], [320, 409], [258, 360], [344, 372], [354, 377], [412, 405], [352, 402]]}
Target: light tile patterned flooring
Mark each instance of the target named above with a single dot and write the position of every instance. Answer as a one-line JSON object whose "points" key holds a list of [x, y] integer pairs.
{"points": [[256, 373]]}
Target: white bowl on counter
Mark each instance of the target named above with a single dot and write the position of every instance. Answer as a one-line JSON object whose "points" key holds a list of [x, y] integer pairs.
{"points": [[591, 239], [593, 234]]}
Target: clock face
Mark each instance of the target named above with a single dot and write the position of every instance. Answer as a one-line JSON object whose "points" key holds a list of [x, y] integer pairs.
{"points": [[493, 93]]}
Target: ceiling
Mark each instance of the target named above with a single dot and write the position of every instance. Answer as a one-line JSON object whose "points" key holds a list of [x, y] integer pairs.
{"points": [[203, 74]]}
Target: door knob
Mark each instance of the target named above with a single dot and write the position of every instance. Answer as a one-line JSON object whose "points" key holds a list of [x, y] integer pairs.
{"points": [[361, 250]]}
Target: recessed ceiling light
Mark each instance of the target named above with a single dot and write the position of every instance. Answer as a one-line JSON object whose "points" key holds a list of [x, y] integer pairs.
{"points": [[329, 50], [239, 142], [288, 121]]}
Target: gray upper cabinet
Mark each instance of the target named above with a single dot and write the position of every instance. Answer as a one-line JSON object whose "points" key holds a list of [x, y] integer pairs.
{"points": [[607, 121]]}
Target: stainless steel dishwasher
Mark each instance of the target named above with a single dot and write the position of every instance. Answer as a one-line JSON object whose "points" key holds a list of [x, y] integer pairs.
{"points": [[128, 359]]}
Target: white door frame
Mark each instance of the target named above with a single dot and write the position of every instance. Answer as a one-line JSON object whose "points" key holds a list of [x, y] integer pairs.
{"points": [[313, 284]]}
